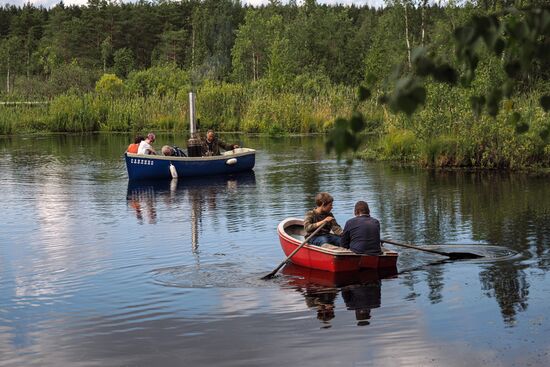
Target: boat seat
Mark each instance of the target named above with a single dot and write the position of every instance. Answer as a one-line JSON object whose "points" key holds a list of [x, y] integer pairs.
{"points": [[328, 246]]}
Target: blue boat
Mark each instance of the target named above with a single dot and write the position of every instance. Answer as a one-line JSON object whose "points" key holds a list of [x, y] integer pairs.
{"points": [[141, 166]]}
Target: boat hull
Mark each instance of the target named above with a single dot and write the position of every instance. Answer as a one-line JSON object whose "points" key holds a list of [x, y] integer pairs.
{"points": [[141, 167], [316, 257]]}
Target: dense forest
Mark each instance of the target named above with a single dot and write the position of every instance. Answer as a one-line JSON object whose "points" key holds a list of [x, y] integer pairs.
{"points": [[291, 67]]}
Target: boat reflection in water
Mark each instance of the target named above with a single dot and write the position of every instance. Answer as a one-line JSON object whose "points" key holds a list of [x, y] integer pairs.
{"points": [[147, 197], [361, 290]]}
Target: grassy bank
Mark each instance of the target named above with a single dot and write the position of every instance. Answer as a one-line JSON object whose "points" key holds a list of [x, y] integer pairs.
{"points": [[446, 133], [224, 107]]}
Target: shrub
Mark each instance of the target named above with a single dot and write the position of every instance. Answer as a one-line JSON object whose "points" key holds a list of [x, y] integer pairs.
{"points": [[399, 145], [110, 86]]}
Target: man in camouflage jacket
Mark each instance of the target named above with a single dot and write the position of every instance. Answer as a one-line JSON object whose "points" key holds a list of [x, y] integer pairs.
{"points": [[322, 216], [211, 145]]}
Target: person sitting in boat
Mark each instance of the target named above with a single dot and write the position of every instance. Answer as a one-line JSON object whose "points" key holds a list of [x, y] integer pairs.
{"points": [[145, 146], [362, 233], [172, 151], [211, 145], [133, 148], [322, 216]]}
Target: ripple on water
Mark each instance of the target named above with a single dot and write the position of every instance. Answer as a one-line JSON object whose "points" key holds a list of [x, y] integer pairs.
{"points": [[226, 275], [489, 253]]}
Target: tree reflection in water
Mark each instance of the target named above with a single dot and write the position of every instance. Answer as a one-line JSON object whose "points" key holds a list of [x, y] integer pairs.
{"points": [[438, 207], [361, 290], [200, 193], [508, 285]]}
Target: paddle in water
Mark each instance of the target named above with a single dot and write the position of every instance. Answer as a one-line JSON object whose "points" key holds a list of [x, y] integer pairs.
{"points": [[272, 274], [450, 255]]}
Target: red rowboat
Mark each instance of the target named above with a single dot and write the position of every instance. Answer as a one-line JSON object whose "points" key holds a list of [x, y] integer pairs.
{"points": [[291, 234]]}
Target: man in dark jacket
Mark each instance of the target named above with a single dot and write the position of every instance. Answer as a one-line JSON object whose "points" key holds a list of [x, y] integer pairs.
{"points": [[211, 146], [362, 233]]}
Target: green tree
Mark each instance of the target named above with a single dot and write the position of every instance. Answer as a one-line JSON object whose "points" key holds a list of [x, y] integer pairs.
{"points": [[10, 54], [123, 62], [252, 45], [280, 71], [106, 51], [171, 48]]}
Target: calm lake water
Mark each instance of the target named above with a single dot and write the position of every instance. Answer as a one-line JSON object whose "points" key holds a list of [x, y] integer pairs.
{"points": [[99, 271]]}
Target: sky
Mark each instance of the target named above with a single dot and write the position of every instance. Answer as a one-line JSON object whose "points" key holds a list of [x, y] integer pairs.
{"points": [[49, 3]]}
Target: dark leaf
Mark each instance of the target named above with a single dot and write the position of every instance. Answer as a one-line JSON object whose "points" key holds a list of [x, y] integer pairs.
{"points": [[490, 37], [424, 66], [522, 127], [341, 123], [364, 94], [499, 46], [383, 99], [370, 79], [419, 94], [354, 142], [446, 74], [545, 102], [512, 68], [515, 118], [492, 108], [477, 104], [508, 88], [404, 103], [495, 23], [544, 134], [357, 122]]}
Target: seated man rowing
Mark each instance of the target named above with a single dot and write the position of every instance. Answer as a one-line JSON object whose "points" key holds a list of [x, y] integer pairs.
{"points": [[211, 146], [322, 216], [362, 233]]}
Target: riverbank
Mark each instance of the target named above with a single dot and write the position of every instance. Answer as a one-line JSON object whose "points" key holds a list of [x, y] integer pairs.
{"points": [[444, 134]]}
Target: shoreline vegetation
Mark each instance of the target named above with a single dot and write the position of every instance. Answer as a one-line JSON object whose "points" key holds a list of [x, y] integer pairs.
{"points": [[276, 69]]}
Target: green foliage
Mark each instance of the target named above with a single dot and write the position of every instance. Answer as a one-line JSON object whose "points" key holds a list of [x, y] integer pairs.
{"points": [[481, 77], [71, 78], [109, 85], [170, 50], [399, 145], [443, 151], [71, 113], [251, 51], [106, 51], [164, 80], [280, 71], [221, 105], [123, 62], [286, 112]]}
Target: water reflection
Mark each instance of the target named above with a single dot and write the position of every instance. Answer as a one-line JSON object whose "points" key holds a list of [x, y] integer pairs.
{"points": [[185, 198], [173, 271], [508, 284], [360, 290]]}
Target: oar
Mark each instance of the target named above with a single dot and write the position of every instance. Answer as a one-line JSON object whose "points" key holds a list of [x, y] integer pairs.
{"points": [[270, 275], [451, 255]]}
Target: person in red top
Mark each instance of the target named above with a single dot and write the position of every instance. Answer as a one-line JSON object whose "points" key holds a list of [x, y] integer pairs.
{"points": [[133, 148]]}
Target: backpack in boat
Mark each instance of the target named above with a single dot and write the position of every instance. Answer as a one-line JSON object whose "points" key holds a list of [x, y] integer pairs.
{"points": [[178, 152]]}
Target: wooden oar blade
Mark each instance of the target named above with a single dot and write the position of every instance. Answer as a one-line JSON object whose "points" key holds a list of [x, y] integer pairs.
{"points": [[268, 276], [463, 255]]}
